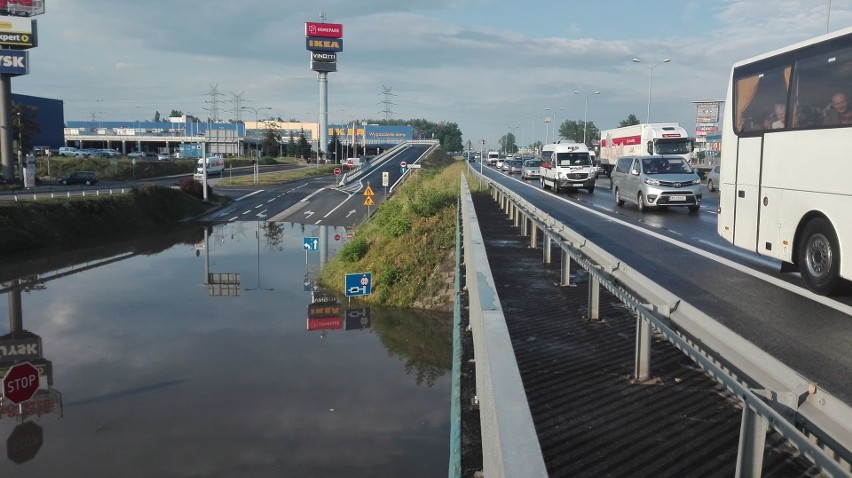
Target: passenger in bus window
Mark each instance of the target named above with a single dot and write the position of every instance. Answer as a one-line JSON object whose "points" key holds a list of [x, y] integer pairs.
{"points": [[776, 119], [838, 112]]}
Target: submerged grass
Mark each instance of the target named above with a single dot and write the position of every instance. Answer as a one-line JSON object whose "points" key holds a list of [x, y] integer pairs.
{"points": [[409, 243]]}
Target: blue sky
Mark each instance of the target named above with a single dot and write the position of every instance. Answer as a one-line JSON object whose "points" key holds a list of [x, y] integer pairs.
{"points": [[483, 64]]}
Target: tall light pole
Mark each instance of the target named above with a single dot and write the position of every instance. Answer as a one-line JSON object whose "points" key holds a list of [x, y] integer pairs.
{"points": [[532, 132], [255, 110], [546, 125], [586, 111], [650, 82], [556, 125]]}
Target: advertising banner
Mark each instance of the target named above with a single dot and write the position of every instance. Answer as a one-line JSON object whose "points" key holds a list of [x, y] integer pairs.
{"points": [[323, 44], [21, 8], [325, 30], [18, 32], [324, 66], [14, 62], [322, 56], [707, 112]]}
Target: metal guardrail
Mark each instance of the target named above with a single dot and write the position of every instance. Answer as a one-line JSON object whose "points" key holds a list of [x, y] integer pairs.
{"points": [[773, 394]]}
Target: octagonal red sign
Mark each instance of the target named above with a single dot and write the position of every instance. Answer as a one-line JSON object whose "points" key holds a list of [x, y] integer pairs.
{"points": [[20, 383]]}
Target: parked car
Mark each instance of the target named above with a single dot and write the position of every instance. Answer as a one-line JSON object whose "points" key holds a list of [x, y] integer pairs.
{"points": [[71, 152], [713, 179], [110, 152], [656, 181], [80, 177], [530, 169], [136, 154], [163, 157]]}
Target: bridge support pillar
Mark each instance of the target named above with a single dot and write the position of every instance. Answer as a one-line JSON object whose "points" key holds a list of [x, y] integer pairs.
{"points": [[594, 298], [566, 268], [525, 225], [516, 214], [752, 442], [545, 250], [642, 366], [533, 235]]}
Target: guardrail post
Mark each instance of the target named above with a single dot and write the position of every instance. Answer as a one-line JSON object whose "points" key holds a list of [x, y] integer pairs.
{"points": [[516, 213], [752, 441], [546, 249], [641, 370], [594, 298], [525, 222], [566, 268], [533, 235]]}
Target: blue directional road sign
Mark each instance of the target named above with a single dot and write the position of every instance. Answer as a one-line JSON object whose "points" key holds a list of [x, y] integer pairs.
{"points": [[311, 243], [360, 283]]}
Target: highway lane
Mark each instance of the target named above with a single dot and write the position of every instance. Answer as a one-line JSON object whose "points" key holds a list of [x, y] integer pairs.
{"points": [[812, 334]]}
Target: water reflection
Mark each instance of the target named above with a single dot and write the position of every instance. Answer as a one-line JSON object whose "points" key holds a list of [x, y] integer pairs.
{"points": [[163, 375]]}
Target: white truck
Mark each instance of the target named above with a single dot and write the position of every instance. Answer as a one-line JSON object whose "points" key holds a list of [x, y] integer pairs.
{"points": [[215, 165], [493, 157], [567, 165], [642, 139]]}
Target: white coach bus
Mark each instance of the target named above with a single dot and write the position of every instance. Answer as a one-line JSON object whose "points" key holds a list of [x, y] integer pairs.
{"points": [[786, 153]]}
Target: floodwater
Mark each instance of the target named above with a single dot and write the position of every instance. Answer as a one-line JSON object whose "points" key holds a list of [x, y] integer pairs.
{"points": [[207, 352]]}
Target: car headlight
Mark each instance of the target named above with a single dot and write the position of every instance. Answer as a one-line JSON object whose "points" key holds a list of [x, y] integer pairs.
{"points": [[696, 181], [652, 182]]}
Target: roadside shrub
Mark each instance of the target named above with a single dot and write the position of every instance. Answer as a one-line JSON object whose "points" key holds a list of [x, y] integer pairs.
{"points": [[194, 187], [393, 218], [354, 250], [429, 202]]}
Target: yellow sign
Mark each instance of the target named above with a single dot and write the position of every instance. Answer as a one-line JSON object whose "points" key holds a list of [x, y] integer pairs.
{"points": [[368, 201], [368, 191]]}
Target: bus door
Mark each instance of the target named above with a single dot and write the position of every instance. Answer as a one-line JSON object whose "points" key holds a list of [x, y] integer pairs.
{"points": [[747, 192]]}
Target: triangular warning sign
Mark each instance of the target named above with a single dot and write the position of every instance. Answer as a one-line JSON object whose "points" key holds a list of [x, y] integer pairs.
{"points": [[368, 201], [368, 191]]}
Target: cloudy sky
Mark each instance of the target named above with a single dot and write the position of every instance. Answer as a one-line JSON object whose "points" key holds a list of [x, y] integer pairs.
{"points": [[487, 65]]}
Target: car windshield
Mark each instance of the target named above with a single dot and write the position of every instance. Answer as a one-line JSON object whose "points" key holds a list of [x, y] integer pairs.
{"points": [[532, 163], [665, 166], [573, 159]]}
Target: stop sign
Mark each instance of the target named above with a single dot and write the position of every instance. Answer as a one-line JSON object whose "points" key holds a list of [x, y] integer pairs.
{"points": [[20, 383], [337, 171], [337, 237], [24, 442]]}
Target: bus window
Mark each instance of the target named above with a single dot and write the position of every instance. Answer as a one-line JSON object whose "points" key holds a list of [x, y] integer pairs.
{"points": [[756, 95], [817, 81]]}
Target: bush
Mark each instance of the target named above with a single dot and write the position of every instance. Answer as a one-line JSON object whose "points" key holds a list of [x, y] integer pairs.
{"points": [[194, 187], [354, 250]]}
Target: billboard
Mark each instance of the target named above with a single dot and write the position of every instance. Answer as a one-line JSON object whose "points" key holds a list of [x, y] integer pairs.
{"points": [[21, 8], [325, 30], [323, 44], [707, 111], [14, 62], [323, 56], [17, 32], [324, 66]]}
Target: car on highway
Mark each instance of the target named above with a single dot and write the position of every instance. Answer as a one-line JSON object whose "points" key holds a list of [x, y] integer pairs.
{"points": [[713, 179], [656, 182], [499, 163], [514, 166], [80, 177], [531, 169]]}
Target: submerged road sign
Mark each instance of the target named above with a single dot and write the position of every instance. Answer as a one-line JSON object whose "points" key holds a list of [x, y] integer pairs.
{"points": [[360, 283]]}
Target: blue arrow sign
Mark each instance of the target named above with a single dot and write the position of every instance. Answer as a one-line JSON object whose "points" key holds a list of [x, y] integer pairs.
{"points": [[311, 243], [360, 283]]}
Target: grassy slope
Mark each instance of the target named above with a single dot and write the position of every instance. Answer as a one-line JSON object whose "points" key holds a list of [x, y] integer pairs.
{"points": [[409, 244]]}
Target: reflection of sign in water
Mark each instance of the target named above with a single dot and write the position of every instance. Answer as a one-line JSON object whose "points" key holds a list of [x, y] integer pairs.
{"points": [[20, 382], [20, 345], [360, 283], [320, 310], [24, 442], [311, 243], [325, 323], [357, 319]]}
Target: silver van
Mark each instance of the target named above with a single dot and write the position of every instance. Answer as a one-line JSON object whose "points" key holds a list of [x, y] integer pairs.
{"points": [[656, 181]]}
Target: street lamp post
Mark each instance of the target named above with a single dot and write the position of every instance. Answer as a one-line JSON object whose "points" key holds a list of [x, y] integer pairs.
{"points": [[546, 125], [650, 82], [532, 132], [586, 111], [257, 146]]}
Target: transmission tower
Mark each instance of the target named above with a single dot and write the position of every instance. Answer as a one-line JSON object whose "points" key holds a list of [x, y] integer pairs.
{"points": [[214, 95], [237, 100], [387, 101]]}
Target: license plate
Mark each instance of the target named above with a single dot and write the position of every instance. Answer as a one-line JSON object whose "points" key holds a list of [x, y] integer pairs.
{"points": [[677, 198]]}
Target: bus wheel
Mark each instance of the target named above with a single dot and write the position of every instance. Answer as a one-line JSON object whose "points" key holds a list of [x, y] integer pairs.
{"points": [[819, 257]]}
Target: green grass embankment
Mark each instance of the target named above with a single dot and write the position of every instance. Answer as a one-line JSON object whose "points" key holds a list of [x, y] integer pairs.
{"points": [[409, 243]]}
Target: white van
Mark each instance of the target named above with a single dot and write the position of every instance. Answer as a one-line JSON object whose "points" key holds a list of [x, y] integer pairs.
{"points": [[567, 166], [215, 165]]}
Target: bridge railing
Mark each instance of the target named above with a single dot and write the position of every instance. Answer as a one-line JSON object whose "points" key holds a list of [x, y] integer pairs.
{"points": [[773, 394]]}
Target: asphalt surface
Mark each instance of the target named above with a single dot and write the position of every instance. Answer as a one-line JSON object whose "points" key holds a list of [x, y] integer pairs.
{"points": [[591, 419]]}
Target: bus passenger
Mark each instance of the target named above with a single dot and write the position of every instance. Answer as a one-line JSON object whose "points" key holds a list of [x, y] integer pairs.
{"points": [[838, 112]]}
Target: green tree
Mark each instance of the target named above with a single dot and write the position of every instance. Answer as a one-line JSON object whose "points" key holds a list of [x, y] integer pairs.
{"points": [[573, 130], [631, 120], [176, 113], [292, 149], [24, 125], [304, 147], [271, 139], [156, 116], [508, 143]]}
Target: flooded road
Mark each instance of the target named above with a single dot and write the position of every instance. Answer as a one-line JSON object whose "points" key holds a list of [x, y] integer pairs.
{"points": [[197, 354]]}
